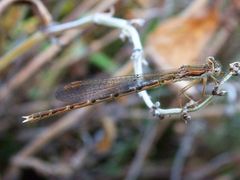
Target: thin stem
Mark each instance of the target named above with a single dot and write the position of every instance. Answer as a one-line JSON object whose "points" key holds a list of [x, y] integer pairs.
{"points": [[8, 58]]}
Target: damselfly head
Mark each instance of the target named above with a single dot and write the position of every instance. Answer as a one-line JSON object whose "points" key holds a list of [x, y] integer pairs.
{"points": [[215, 67]]}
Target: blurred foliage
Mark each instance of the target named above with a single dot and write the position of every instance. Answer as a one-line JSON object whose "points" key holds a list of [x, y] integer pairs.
{"points": [[108, 149]]}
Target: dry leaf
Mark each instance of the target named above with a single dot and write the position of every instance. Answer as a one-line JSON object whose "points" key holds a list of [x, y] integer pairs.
{"points": [[236, 4], [181, 40], [110, 133]]}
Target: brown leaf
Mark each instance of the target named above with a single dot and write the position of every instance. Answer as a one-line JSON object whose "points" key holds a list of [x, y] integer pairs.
{"points": [[181, 40], [236, 4], [110, 132]]}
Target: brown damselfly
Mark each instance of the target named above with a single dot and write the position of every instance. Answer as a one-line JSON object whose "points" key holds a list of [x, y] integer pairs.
{"points": [[88, 92]]}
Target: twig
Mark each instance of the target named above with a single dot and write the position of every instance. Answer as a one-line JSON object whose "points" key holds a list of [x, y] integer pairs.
{"points": [[184, 149], [69, 59], [36, 38], [56, 169], [42, 167], [85, 7], [152, 132], [42, 11], [9, 57], [219, 162]]}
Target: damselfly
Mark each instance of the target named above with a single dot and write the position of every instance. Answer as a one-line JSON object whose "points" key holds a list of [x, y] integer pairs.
{"points": [[89, 92]]}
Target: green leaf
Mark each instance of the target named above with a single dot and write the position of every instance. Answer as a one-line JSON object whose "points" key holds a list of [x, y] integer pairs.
{"points": [[103, 62]]}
